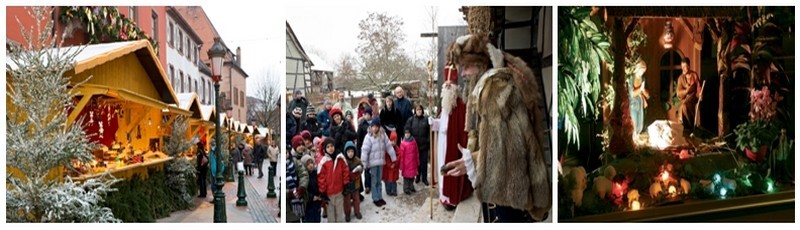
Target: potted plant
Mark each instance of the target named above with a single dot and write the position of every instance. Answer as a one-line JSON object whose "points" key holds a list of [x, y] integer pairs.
{"points": [[755, 136]]}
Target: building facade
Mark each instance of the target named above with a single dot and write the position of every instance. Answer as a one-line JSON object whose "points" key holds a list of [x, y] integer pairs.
{"points": [[233, 87]]}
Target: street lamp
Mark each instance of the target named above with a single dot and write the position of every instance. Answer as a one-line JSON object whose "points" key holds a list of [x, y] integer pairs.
{"points": [[217, 54]]}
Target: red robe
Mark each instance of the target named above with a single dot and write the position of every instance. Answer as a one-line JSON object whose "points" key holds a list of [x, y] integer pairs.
{"points": [[456, 188]]}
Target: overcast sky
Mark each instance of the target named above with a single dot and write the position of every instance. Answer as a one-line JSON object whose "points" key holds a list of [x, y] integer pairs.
{"points": [[331, 31], [260, 32]]}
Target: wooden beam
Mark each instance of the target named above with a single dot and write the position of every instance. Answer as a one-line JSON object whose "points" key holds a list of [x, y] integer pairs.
{"points": [[78, 108], [138, 119]]}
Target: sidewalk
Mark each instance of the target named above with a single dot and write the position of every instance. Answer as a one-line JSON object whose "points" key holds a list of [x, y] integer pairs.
{"points": [[259, 209]]}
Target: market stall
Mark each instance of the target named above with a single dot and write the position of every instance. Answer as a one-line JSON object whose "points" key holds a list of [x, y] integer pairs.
{"points": [[120, 101]]}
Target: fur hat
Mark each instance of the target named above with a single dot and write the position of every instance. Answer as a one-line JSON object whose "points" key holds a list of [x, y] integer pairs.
{"points": [[334, 111], [469, 50], [297, 141]]}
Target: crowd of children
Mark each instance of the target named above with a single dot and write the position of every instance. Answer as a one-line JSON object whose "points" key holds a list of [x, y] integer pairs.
{"points": [[331, 161]]}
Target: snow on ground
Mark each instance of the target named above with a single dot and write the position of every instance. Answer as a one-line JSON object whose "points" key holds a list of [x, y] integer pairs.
{"points": [[402, 208]]}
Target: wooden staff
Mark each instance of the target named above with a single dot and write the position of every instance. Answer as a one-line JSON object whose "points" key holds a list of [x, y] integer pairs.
{"points": [[430, 134], [697, 106]]}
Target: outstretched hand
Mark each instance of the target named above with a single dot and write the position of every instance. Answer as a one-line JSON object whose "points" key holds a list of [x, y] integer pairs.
{"points": [[457, 167]]}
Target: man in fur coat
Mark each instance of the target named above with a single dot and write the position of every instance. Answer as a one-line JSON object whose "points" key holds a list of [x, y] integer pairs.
{"points": [[452, 189], [504, 158]]}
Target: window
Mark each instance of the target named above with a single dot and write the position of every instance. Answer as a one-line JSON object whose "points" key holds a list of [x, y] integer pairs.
{"points": [[241, 96], [204, 91], [154, 26], [132, 14], [195, 86], [170, 35], [180, 42], [235, 96], [172, 76], [670, 71], [188, 44], [181, 81]]}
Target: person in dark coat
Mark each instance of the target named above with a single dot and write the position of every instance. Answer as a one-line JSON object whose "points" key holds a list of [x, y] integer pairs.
{"points": [[260, 153], [421, 130], [202, 168], [324, 117], [403, 106], [363, 130], [299, 101], [390, 117], [341, 130], [293, 124], [312, 125]]}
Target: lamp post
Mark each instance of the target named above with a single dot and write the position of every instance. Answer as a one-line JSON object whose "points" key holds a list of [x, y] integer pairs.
{"points": [[217, 54]]}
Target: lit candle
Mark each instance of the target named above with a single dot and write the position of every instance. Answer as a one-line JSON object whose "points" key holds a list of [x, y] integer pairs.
{"points": [[672, 190], [635, 205], [665, 176]]}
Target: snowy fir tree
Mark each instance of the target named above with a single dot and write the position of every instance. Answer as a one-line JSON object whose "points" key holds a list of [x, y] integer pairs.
{"points": [[180, 171], [40, 143]]}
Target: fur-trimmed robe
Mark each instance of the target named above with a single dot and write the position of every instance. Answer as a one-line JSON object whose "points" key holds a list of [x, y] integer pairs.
{"points": [[511, 168]]}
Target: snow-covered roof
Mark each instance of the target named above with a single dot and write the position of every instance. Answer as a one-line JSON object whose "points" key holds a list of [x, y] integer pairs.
{"points": [[319, 64], [185, 100], [207, 110]]}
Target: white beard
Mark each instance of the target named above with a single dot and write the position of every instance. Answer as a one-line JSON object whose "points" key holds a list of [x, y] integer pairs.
{"points": [[449, 98]]}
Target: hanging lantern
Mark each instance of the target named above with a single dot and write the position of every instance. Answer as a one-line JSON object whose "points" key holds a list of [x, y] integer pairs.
{"points": [[668, 35]]}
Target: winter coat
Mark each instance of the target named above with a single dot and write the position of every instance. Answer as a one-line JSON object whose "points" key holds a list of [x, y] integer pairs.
{"points": [[341, 134], [390, 117], [291, 128], [420, 130], [510, 158], [363, 130], [363, 102], [260, 153], [408, 157], [299, 177], [324, 119], [355, 177], [273, 152], [391, 172], [403, 106], [332, 175], [212, 162], [247, 155], [237, 155], [312, 125], [302, 103], [373, 151]]}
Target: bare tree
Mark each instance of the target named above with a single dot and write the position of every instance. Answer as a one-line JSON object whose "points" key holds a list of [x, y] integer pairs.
{"points": [[383, 59], [265, 110], [346, 69]]}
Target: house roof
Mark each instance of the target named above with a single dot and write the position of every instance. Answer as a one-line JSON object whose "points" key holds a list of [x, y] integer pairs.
{"points": [[189, 102], [291, 36], [319, 64], [95, 55]]}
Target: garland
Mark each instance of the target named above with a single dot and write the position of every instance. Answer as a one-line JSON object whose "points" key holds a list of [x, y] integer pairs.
{"points": [[105, 24]]}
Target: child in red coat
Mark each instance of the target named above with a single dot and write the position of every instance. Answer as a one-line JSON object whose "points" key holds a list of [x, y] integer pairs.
{"points": [[391, 172], [333, 176], [409, 161]]}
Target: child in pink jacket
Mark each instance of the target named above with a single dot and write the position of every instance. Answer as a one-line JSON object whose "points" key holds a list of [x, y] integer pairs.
{"points": [[409, 161]]}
